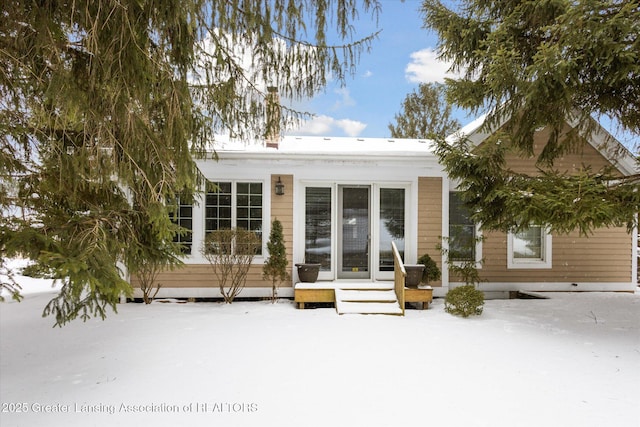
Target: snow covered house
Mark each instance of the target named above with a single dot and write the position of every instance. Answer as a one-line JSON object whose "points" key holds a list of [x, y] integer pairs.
{"points": [[342, 201]]}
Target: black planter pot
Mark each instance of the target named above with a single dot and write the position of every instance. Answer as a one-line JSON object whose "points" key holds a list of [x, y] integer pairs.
{"points": [[414, 275], [308, 272]]}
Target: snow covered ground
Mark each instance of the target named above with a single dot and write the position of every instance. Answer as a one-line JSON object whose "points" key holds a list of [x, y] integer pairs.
{"points": [[571, 360]]}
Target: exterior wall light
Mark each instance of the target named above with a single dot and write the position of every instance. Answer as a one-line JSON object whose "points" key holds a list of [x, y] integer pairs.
{"points": [[279, 188]]}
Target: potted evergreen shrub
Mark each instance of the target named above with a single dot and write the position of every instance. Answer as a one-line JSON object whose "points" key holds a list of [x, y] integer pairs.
{"points": [[431, 271]]}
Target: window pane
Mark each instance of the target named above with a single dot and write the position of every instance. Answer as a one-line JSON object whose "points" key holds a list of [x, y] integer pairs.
{"points": [[249, 207], [243, 188], [255, 200], [210, 225], [318, 226], [217, 206], [243, 213], [255, 213], [211, 199], [391, 225], [528, 244], [462, 242], [462, 231], [183, 217], [243, 200], [225, 187], [224, 212]]}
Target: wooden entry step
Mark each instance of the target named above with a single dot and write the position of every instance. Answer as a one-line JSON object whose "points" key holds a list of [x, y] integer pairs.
{"points": [[370, 296], [368, 307], [366, 298]]}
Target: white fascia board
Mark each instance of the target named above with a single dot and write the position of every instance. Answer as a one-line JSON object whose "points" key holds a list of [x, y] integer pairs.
{"points": [[283, 161], [612, 150], [477, 131]]}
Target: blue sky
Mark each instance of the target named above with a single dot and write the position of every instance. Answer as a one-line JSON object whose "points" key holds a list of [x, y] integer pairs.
{"points": [[402, 57], [371, 98]]}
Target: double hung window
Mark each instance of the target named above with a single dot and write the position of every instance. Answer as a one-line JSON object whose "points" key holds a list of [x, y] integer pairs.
{"points": [[529, 247]]}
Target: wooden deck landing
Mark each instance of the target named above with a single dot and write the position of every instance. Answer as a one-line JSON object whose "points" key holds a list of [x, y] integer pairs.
{"points": [[360, 297]]}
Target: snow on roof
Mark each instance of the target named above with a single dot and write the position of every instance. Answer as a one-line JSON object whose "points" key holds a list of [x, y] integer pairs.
{"points": [[310, 145], [468, 129]]}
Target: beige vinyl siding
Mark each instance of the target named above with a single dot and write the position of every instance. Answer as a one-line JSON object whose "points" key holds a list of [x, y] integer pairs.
{"points": [[583, 154], [202, 276], [604, 256], [282, 209], [430, 218]]}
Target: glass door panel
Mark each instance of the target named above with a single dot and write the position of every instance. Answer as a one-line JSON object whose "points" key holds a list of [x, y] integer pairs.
{"points": [[317, 227], [355, 229], [392, 225]]}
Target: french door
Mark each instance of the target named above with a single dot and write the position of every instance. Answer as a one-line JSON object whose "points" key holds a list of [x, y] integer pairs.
{"points": [[348, 229], [354, 229]]}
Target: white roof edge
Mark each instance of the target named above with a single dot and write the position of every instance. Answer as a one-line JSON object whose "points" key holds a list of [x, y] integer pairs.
{"points": [[612, 150], [328, 146], [468, 130]]}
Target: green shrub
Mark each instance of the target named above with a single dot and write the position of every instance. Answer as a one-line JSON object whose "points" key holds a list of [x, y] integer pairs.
{"points": [[275, 267], [431, 271], [464, 301]]}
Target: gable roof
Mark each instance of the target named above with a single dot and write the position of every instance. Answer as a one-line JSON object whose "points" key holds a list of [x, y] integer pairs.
{"points": [[606, 144]]}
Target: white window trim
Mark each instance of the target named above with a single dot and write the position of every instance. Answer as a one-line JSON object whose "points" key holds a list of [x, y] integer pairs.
{"points": [[266, 224], [517, 263]]}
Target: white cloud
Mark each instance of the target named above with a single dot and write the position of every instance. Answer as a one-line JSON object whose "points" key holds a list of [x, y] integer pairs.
{"points": [[425, 67], [319, 125], [345, 99], [367, 74], [325, 125], [351, 127]]}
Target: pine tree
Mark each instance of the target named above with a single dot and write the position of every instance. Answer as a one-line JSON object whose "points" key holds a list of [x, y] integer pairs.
{"points": [[534, 65], [105, 105], [275, 267], [425, 114]]}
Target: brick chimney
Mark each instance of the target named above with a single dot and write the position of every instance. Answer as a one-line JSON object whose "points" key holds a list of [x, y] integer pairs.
{"points": [[272, 132]]}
